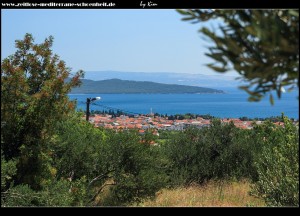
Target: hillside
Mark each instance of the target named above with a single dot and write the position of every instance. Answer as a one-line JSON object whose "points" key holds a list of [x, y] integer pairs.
{"points": [[207, 81], [117, 86]]}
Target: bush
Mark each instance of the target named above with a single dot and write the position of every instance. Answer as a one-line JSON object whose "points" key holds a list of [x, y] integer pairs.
{"points": [[278, 166], [53, 193], [8, 170], [216, 152], [56, 193], [136, 169], [78, 149]]}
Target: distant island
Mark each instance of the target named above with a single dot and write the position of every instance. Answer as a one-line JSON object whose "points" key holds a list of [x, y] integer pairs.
{"points": [[216, 81], [117, 86]]}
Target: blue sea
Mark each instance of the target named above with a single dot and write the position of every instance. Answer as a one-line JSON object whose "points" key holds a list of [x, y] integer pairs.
{"points": [[233, 104]]}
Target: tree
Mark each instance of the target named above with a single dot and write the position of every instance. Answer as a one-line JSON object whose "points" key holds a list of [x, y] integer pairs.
{"points": [[135, 170], [261, 45], [33, 97]]}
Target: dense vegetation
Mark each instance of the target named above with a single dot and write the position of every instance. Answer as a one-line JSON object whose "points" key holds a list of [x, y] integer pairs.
{"points": [[216, 152], [50, 156], [278, 165], [92, 166], [117, 86]]}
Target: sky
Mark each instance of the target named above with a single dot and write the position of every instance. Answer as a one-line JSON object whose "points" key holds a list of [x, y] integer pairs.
{"points": [[136, 40]]}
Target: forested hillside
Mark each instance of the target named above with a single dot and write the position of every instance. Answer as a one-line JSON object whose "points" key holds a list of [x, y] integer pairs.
{"points": [[117, 86]]}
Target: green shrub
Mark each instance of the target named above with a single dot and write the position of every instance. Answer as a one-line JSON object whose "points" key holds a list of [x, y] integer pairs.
{"points": [[55, 193], [78, 149], [278, 166], [20, 196], [137, 170], [8, 170], [216, 152]]}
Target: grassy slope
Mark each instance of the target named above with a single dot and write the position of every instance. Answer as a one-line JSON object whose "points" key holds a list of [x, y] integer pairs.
{"points": [[213, 194]]}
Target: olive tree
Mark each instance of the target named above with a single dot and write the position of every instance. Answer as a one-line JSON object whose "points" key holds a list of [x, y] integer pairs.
{"points": [[261, 45]]}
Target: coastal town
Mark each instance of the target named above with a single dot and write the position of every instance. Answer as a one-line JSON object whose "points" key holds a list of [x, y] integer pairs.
{"points": [[144, 122]]}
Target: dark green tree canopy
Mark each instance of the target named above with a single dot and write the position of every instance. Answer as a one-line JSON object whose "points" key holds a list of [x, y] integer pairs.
{"points": [[261, 45], [33, 98]]}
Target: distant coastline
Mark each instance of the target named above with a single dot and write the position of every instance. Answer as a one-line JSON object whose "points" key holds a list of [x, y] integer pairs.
{"points": [[118, 86], [231, 105]]}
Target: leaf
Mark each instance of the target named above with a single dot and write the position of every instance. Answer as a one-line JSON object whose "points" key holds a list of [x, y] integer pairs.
{"points": [[294, 13], [183, 12], [188, 18], [291, 89], [218, 69], [271, 99], [217, 56]]}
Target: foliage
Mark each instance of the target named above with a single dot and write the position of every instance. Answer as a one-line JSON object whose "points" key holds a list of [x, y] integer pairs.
{"points": [[8, 170], [124, 163], [53, 193], [56, 193], [278, 165], [261, 45], [33, 98], [137, 169], [21, 195], [215, 152], [78, 149]]}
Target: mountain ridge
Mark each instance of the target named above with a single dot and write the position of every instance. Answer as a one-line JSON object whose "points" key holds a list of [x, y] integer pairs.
{"points": [[216, 80], [119, 86]]}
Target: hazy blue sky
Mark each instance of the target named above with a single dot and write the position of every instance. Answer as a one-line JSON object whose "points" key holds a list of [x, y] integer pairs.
{"points": [[120, 40]]}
